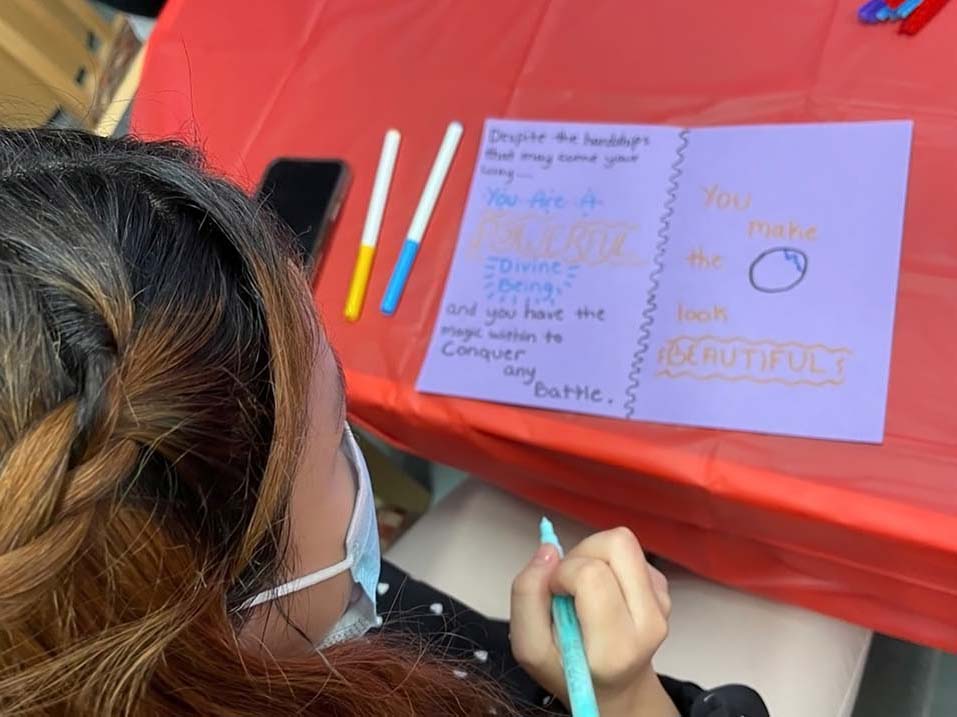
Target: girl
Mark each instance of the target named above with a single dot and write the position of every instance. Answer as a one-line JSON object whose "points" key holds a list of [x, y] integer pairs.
{"points": [[186, 522]]}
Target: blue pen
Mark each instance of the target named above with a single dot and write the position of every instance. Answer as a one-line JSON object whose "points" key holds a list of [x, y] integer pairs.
{"points": [[423, 212], [906, 8], [581, 692]]}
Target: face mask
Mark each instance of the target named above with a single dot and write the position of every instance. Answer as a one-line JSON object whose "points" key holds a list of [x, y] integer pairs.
{"points": [[362, 559]]}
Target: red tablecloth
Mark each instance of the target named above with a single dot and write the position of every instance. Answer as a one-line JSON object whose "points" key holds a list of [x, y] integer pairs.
{"points": [[862, 532]]}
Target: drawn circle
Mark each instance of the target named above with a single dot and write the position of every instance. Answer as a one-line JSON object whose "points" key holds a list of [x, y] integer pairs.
{"points": [[778, 270]]}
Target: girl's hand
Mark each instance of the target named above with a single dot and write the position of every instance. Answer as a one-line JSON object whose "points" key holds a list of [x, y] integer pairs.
{"points": [[623, 606]]}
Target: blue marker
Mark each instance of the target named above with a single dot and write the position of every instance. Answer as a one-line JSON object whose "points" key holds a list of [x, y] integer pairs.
{"points": [[581, 692], [423, 212]]}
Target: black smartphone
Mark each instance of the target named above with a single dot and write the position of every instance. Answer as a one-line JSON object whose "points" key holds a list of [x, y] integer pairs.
{"points": [[307, 195]]}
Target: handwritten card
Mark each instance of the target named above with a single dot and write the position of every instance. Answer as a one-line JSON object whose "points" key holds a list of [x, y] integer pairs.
{"points": [[739, 277]]}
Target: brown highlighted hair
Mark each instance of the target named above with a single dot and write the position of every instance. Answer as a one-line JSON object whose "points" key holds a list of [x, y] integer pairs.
{"points": [[156, 344]]}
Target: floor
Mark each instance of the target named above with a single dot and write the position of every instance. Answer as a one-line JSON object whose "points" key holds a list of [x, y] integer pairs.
{"points": [[900, 680], [903, 679]]}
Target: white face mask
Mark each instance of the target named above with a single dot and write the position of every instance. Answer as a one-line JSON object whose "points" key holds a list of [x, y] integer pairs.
{"points": [[362, 560]]}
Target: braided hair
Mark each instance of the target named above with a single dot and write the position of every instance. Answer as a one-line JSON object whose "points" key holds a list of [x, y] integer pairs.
{"points": [[156, 343]]}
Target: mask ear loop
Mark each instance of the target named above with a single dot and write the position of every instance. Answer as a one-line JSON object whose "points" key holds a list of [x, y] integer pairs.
{"points": [[306, 581]]}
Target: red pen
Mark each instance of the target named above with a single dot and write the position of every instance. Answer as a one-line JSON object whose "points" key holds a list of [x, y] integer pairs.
{"points": [[921, 16], [894, 4]]}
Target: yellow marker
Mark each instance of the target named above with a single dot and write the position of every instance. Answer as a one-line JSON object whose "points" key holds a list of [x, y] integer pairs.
{"points": [[360, 280], [370, 233]]}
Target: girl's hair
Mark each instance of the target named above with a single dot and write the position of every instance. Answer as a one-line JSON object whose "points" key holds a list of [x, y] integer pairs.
{"points": [[156, 347]]}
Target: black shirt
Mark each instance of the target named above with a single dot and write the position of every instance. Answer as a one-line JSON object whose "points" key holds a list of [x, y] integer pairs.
{"points": [[481, 646]]}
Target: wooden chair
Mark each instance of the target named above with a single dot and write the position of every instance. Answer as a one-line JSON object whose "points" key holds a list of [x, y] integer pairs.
{"points": [[60, 61]]}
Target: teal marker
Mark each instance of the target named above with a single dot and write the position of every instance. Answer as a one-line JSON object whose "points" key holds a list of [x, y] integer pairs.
{"points": [[581, 692]]}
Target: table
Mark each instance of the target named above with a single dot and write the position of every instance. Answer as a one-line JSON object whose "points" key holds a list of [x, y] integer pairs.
{"points": [[866, 533]]}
